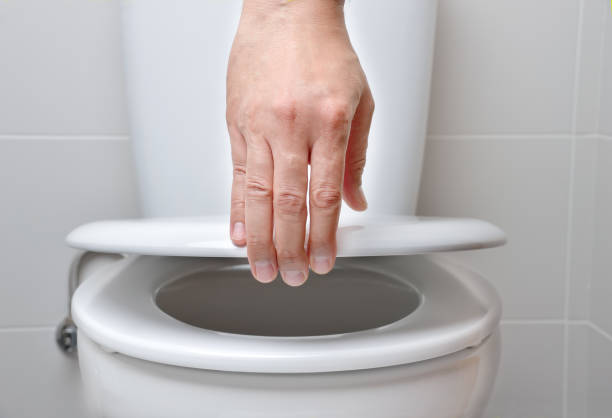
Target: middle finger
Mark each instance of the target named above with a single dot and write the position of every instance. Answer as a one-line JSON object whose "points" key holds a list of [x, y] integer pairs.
{"points": [[290, 185]]}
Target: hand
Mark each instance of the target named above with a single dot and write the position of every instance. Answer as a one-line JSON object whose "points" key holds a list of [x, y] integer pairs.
{"points": [[296, 94]]}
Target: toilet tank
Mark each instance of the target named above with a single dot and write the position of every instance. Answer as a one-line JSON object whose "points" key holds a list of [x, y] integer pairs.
{"points": [[176, 54]]}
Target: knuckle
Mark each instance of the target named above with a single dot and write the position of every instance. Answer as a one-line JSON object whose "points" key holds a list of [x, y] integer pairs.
{"points": [[290, 202], [257, 189], [326, 197], [336, 115], [371, 104], [288, 256], [239, 169], [285, 110], [356, 168], [248, 119], [294, 161], [257, 244], [238, 204]]}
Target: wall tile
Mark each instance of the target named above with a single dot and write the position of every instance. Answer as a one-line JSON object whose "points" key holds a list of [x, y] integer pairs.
{"points": [[48, 188], [583, 224], [61, 69], [599, 400], [530, 380], [578, 371], [504, 67], [520, 185], [594, 14], [590, 373], [37, 380], [605, 118], [601, 287]]}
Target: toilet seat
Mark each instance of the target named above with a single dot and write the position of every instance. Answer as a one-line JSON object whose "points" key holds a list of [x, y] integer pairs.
{"points": [[116, 308]]}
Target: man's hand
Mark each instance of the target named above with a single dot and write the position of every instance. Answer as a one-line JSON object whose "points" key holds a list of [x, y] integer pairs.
{"points": [[296, 94]]}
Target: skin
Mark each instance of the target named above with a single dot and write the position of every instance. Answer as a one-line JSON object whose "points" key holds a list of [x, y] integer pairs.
{"points": [[296, 95]]}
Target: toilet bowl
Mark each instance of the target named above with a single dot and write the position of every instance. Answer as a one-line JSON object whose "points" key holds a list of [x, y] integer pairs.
{"points": [[457, 385], [172, 324], [179, 327], [403, 336]]}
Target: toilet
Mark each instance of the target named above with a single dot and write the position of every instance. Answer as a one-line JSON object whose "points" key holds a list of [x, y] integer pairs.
{"points": [[170, 321]]}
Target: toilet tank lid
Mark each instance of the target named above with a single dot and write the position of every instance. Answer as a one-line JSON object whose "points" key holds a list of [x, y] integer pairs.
{"points": [[358, 236]]}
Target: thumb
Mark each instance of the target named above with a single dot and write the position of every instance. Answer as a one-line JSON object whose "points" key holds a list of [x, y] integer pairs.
{"points": [[356, 153]]}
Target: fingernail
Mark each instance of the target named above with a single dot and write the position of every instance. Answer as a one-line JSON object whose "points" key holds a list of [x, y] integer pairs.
{"points": [[321, 263], [294, 277], [264, 271], [238, 233]]}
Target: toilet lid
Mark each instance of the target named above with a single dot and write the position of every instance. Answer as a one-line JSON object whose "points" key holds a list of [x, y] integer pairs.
{"points": [[358, 236]]}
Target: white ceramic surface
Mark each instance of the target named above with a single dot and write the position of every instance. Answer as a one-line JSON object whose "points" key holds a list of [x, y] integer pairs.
{"points": [[590, 64], [502, 180], [453, 386], [504, 67], [61, 68], [48, 188], [36, 378], [357, 237], [601, 284], [176, 55], [598, 357], [116, 308], [183, 165], [530, 382], [583, 221], [605, 121]]}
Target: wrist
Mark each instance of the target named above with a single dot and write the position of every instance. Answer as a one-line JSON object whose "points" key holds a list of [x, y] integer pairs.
{"points": [[294, 11]]}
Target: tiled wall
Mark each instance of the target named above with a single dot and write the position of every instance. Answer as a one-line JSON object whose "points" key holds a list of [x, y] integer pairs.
{"points": [[520, 134], [64, 160], [601, 289]]}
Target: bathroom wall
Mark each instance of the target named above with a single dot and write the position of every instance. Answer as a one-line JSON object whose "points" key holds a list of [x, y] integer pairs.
{"points": [[601, 289], [519, 134], [64, 160]]}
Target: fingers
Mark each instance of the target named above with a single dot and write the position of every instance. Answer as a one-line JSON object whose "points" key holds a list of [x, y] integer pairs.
{"points": [[258, 211], [327, 169], [290, 184], [237, 221], [356, 153], [268, 211]]}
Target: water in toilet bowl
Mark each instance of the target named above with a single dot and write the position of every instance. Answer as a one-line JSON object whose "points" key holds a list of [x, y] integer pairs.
{"points": [[346, 300]]}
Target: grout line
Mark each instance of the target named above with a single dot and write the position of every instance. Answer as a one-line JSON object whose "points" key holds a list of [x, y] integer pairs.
{"points": [[580, 136], [533, 322], [585, 322], [72, 137], [600, 331], [568, 277], [605, 137], [602, 61], [572, 322], [493, 136], [570, 206], [32, 328]]}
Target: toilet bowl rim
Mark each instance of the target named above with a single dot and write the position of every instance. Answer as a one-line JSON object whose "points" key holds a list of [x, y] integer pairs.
{"points": [[404, 341]]}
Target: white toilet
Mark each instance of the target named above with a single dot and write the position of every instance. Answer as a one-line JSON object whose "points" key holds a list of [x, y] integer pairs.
{"points": [[170, 322]]}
